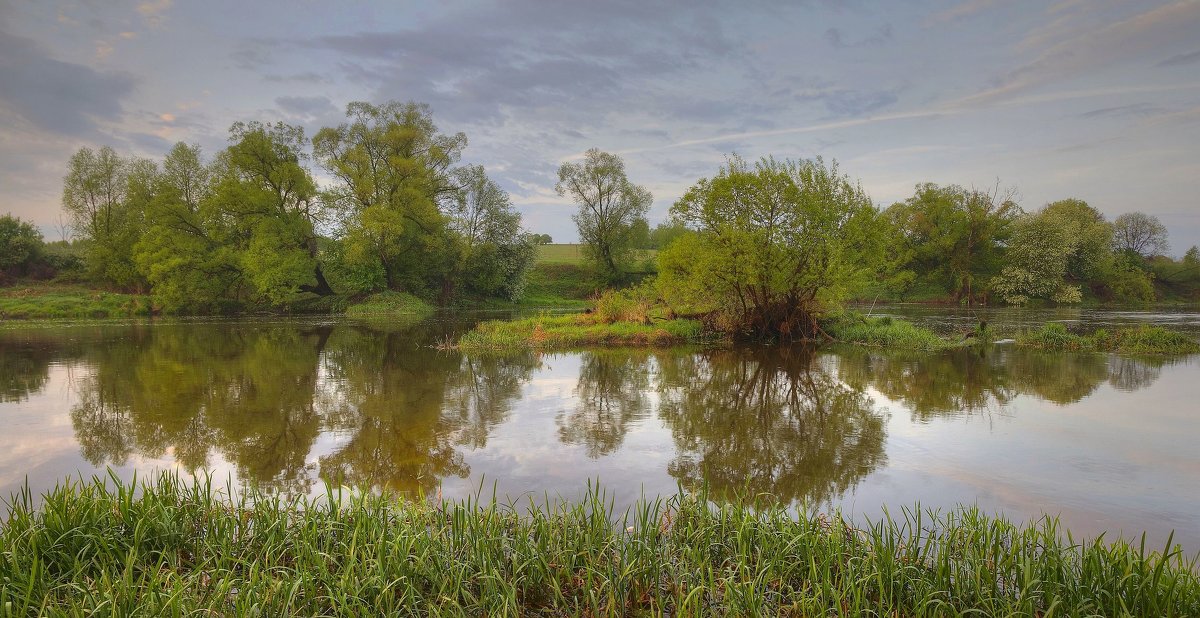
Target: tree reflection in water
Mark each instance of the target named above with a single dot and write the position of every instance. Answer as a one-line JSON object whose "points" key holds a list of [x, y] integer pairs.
{"points": [[612, 393], [773, 421], [972, 380], [371, 405]]}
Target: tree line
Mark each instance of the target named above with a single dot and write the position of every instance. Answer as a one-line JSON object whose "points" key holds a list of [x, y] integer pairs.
{"points": [[767, 245], [765, 249], [251, 226]]}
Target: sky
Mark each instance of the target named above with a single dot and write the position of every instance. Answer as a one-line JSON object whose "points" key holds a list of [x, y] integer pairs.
{"points": [[1092, 99]]}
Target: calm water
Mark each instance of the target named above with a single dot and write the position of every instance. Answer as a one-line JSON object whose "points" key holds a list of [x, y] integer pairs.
{"points": [[1108, 443]]}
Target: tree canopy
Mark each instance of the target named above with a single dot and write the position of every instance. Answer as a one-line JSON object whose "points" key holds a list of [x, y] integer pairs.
{"points": [[775, 244], [609, 207]]}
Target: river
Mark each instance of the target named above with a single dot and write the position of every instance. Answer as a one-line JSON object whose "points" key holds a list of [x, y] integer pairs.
{"points": [[1108, 443]]}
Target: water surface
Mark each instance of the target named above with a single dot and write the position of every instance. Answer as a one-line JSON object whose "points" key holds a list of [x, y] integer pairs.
{"points": [[1108, 443]]}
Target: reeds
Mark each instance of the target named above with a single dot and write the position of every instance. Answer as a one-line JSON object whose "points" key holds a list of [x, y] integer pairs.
{"points": [[182, 547], [1137, 340]]}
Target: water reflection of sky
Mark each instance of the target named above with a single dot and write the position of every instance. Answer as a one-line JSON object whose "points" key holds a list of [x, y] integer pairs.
{"points": [[1106, 442]]}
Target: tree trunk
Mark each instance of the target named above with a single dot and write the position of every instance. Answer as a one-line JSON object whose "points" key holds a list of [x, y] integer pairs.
{"points": [[322, 287]]}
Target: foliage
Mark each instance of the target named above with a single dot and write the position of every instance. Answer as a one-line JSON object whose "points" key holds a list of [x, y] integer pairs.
{"points": [[1136, 340], [548, 332], [392, 171], [541, 239], [1140, 234], [884, 332], [1092, 238], [20, 246], [1039, 254], [389, 303], [56, 301], [100, 194], [952, 235], [665, 233], [170, 547], [495, 254], [609, 205], [775, 245]]}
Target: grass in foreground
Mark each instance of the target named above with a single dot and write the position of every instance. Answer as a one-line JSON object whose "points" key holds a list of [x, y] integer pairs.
{"points": [[173, 547], [47, 301], [1137, 340]]}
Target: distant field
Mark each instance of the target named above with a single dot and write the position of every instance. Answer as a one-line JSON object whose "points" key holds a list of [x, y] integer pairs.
{"points": [[573, 254]]}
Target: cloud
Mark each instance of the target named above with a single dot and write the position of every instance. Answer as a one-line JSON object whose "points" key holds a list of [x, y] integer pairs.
{"points": [[1180, 60], [56, 96], [838, 39], [1069, 54], [959, 11], [1133, 109], [153, 12], [307, 107], [517, 57]]}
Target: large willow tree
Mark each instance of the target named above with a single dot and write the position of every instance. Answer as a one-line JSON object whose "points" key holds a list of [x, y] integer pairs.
{"points": [[776, 243]]}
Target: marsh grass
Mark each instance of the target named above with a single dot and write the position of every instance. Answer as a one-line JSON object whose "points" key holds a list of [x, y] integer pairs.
{"points": [[48, 301], [548, 332], [178, 546], [389, 303], [884, 332], [1138, 340]]}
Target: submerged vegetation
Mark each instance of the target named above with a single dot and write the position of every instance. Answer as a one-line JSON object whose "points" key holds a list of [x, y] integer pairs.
{"points": [[173, 547], [1135, 340]]}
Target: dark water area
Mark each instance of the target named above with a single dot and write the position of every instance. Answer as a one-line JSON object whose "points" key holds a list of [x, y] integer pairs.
{"points": [[292, 405]]}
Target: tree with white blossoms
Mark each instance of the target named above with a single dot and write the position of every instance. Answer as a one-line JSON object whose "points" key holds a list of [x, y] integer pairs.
{"points": [[1039, 253]]}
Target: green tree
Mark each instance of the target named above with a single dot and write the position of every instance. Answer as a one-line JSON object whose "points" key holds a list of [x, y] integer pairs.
{"points": [[495, 254], [665, 233], [1092, 235], [608, 207], [20, 245], [267, 189], [1039, 256], [776, 244], [953, 236], [187, 253], [94, 195], [392, 173], [1140, 234]]}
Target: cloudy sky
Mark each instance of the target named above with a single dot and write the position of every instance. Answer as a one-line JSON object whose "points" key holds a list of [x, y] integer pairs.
{"points": [[1095, 99]]}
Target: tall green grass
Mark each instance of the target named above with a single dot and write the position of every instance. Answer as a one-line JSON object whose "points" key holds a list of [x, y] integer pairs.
{"points": [[885, 332], [550, 332], [1137, 340], [389, 303], [170, 547], [61, 301]]}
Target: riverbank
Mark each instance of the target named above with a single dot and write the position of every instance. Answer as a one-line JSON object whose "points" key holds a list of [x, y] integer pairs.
{"points": [[170, 547]]}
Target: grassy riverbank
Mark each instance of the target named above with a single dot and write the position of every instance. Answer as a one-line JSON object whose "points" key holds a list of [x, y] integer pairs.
{"points": [[175, 548], [1136, 340], [39, 300]]}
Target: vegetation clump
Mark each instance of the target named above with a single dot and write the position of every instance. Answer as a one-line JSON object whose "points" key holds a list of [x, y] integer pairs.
{"points": [[883, 331], [42, 301], [548, 332], [1143, 339], [176, 547], [389, 303]]}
